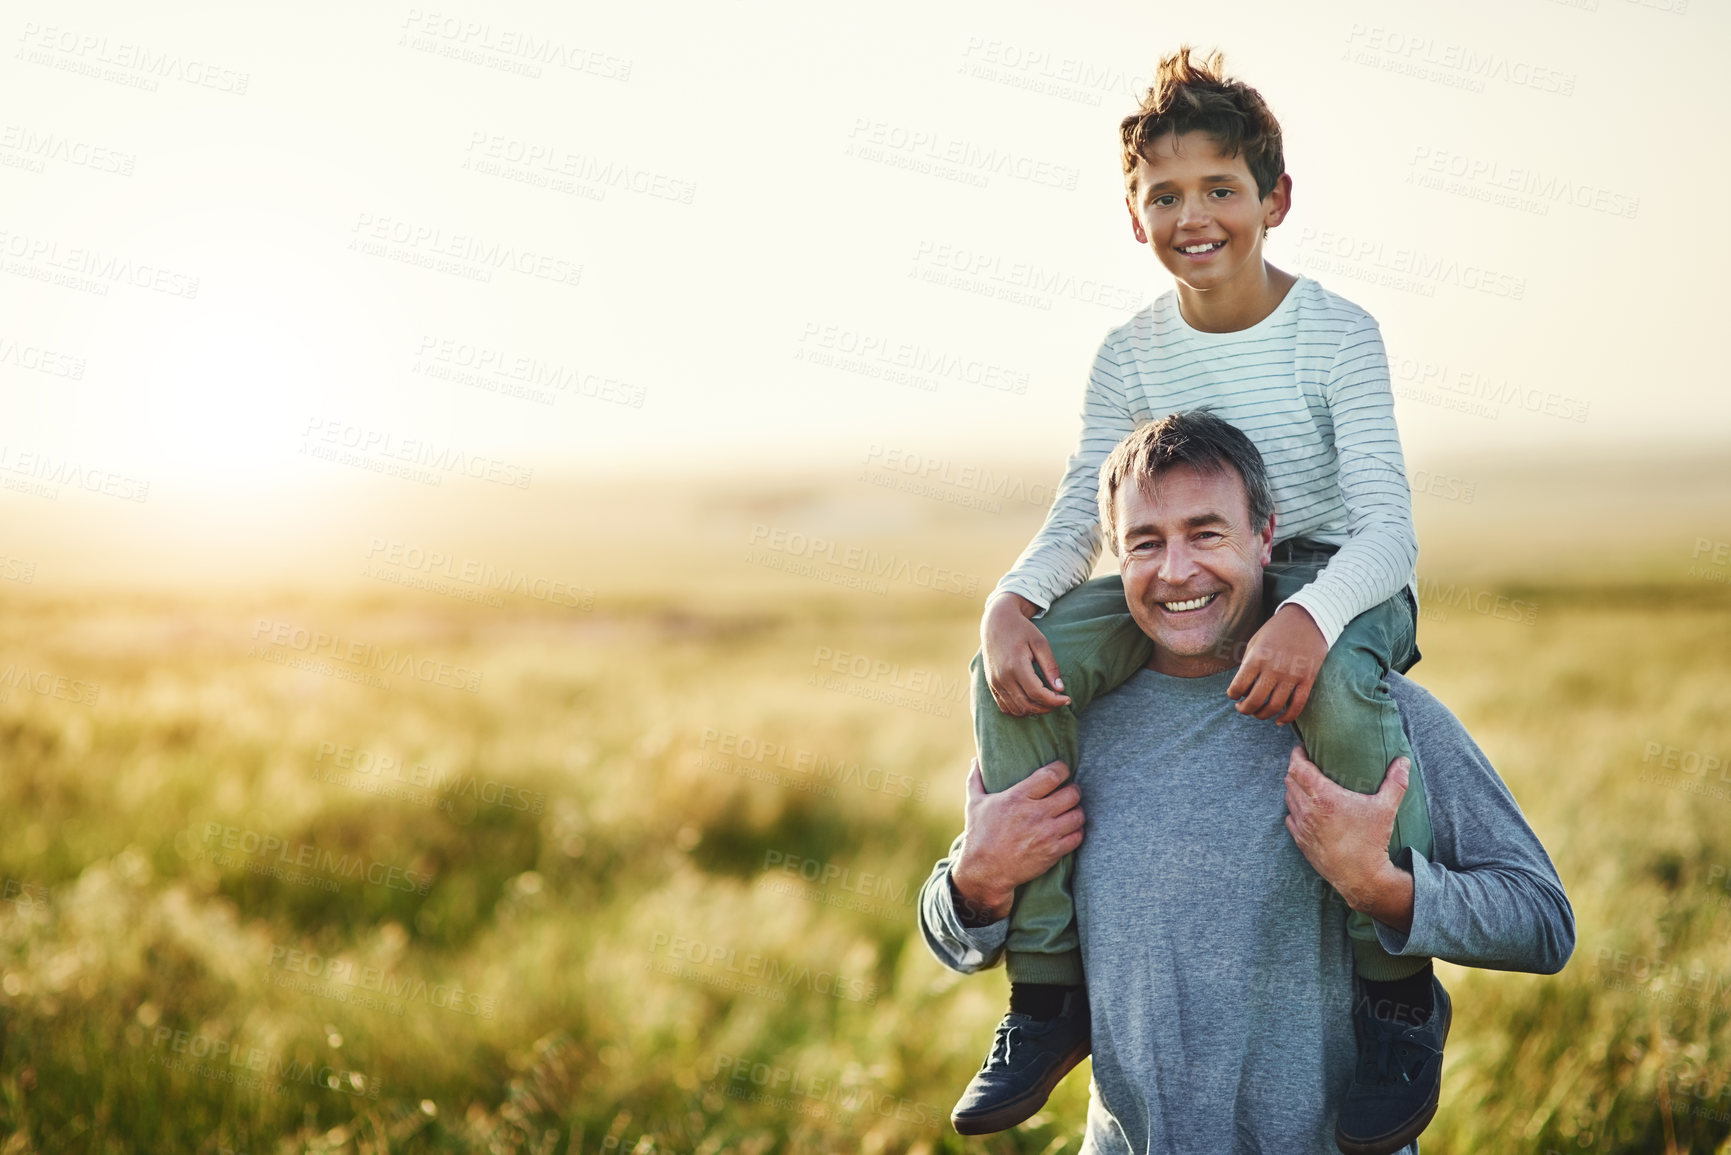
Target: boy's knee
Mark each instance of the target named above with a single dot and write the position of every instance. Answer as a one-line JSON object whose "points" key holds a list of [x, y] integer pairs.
{"points": [[1334, 696], [980, 699], [1350, 678], [1345, 727]]}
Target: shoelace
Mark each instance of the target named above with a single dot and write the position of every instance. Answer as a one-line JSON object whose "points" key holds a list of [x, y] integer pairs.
{"points": [[1397, 1053], [1001, 1041]]}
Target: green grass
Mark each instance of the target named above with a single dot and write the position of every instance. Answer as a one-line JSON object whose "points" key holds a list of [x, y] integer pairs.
{"points": [[558, 928]]}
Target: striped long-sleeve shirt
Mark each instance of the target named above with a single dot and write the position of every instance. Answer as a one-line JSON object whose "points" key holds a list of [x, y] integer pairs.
{"points": [[1309, 384]]}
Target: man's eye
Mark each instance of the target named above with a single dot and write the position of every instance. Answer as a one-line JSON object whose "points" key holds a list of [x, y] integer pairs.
{"points": [[1209, 535]]}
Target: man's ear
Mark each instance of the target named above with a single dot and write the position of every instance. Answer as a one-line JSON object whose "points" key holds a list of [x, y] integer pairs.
{"points": [[1266, 540]]}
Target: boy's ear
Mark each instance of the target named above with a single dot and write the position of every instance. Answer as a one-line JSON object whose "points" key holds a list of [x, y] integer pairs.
{"points": [[1135, 221], [1278, 202]]}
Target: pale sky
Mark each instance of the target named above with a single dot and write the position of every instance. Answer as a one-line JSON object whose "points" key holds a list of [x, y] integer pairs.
{"points": [[744, 195]]}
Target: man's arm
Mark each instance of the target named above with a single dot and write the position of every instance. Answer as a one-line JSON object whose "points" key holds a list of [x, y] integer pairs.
{"points": [[1378, 559], [1488, 896], [1344, 835], [954, 941], [1011, 837]]}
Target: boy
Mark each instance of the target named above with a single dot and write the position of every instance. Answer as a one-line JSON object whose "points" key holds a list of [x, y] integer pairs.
{"points": [[1303, 373]]}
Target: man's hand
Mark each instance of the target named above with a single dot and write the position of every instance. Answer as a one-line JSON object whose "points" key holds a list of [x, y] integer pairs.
{"points": [[1345, 835], [1280, 666], [1014, 836], [1014, 647]]}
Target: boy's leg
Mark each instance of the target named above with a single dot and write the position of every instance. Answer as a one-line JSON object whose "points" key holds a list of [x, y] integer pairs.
{"points": [[1098, 646], [1047, 1029], [1351, 729]]}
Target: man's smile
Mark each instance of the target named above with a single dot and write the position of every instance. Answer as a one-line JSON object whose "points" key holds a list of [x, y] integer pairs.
{"points": [[1189, 605]]}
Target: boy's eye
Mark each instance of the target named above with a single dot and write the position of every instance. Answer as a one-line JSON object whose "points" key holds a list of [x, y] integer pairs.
{"points": [[1220, 193], [1165, 202]]}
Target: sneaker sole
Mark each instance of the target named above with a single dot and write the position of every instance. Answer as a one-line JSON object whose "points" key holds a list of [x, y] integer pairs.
{"points": [[1395, 1140], [1025, 1106]]}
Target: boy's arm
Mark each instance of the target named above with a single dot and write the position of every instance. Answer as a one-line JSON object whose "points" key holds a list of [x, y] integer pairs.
{"points": [[1378, 559], [1063, 553]]}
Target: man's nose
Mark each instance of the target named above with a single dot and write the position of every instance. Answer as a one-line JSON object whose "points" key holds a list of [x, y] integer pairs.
{"points": [[1177, 565]]}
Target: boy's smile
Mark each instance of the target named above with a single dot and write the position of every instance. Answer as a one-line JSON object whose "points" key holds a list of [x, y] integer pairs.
{"points": [[1199, 211]]}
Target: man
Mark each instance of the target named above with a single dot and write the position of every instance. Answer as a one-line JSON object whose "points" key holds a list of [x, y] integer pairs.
{"points": [[1208, 887]]}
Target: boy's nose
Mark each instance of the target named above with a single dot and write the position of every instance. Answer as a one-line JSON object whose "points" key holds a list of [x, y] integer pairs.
{"points": [[1193, 211]]}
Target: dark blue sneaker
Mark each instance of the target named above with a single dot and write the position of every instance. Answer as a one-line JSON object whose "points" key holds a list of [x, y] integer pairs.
{"points": [[1398, 1081], [1029, 1057]]}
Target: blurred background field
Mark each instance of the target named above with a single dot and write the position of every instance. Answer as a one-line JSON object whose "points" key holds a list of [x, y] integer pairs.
{"points": [[497, 501], [649, 886]]}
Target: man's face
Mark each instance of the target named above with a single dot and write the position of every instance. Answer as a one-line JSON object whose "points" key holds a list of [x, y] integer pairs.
{"points": [[1192, 567], [1199, 211]]}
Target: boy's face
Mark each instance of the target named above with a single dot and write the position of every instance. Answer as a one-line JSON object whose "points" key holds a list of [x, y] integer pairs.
{"points": [[1192, 566], [1199, 211]]}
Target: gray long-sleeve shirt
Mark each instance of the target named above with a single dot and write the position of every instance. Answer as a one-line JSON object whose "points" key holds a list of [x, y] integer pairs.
{"points": [[1219, 969]]}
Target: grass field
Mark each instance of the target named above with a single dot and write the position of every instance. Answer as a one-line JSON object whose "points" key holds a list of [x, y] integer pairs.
{"points": [[381, 869]]}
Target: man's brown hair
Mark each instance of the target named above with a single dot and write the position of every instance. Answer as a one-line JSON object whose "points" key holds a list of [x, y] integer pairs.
{"points": [[1188, 96], [1197, 438]]}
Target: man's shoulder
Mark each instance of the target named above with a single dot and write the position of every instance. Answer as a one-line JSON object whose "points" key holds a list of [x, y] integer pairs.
{"points": [[1404, 688], [1409, 695], [1428, 723]]}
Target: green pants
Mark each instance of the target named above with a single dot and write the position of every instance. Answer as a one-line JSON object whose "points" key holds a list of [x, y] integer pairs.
{"points": [[1350, 728]]}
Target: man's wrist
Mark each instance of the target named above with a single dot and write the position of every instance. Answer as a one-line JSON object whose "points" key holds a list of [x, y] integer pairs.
{"points": [[1387, 897], [976, 906]]}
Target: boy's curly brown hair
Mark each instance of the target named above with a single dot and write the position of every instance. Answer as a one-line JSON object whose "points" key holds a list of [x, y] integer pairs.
{"points": [[1188, 96]]}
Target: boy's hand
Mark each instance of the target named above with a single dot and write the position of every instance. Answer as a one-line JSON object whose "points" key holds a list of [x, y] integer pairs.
{"points": [[1280, 666], [1013, 647]]}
